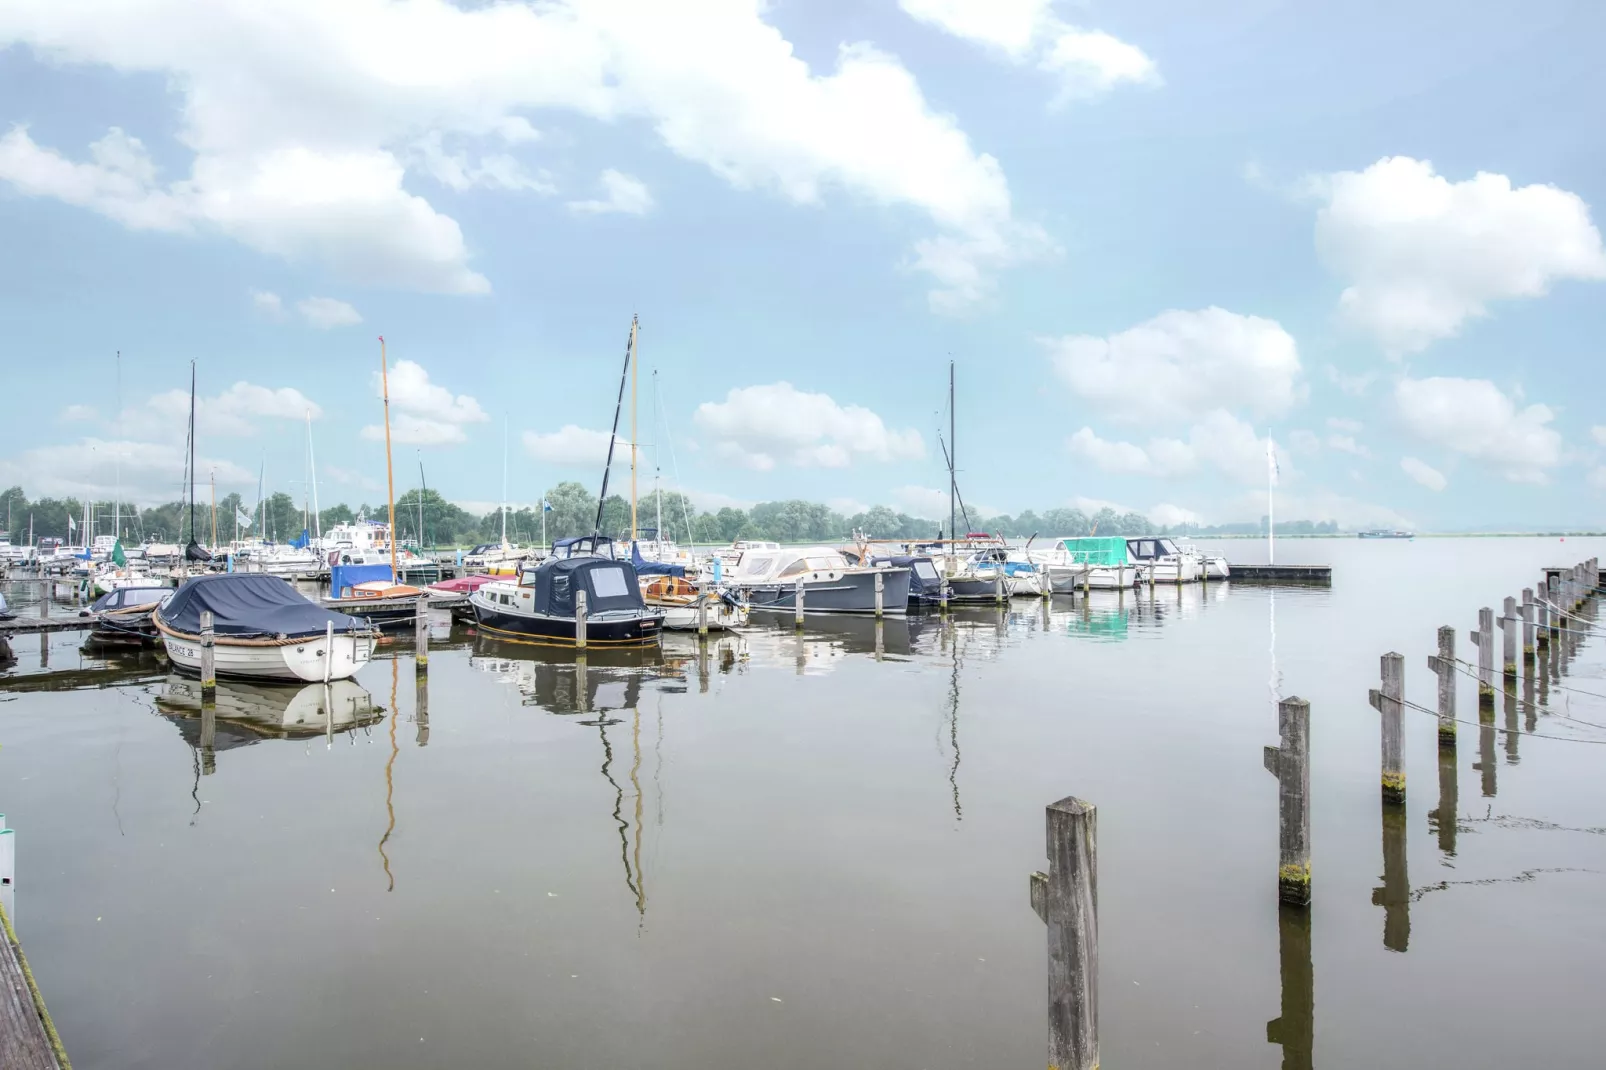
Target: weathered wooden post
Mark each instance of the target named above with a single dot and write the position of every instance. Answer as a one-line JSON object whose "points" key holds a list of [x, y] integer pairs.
{"points": [[1087, 582], [1484, 638], [943, 596], [1044, 581], [1289, 761], [580, 620], [208, 656], [1508, 640], [44, 603], [1509, 704], [1528, 609], [1067, 899], [797, 604], [998, 584], [1387, 702], [880, 595], [702, 611], [421, 635], [1553, 592], [1444, 665], [328, 651], [1541, 623]]}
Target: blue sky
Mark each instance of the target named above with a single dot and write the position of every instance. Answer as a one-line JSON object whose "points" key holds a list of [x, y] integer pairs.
{"points": [[1151, 236]]}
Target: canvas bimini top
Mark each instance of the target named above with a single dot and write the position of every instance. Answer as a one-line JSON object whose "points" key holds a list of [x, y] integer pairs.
{"points": [[610, 585], [249, 605]]}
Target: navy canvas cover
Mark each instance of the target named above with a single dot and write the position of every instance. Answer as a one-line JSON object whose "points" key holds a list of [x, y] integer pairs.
{"points": [[556, 580], [919, 586], [244, 604]]}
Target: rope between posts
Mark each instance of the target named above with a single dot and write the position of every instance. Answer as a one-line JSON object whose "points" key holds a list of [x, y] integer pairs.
{"points": [[1549, 711], [1508, 731], [1472, 671]]}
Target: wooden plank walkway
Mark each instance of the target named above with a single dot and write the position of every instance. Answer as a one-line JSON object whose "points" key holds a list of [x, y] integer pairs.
{"points": [[28, 1040], [32, 625]]}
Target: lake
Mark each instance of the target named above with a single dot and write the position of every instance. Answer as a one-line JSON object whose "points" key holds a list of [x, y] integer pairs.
{"points": [[810, 852]]}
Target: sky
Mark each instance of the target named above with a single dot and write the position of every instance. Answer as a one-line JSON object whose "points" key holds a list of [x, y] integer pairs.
{"points": [[1162, 243]]}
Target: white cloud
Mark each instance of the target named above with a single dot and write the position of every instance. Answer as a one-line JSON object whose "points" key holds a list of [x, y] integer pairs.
{"points": [[144, 472], [267, 303], [350, 477], [570, 445], [1472, 417], [925, 502], [847, 506], [423, 413], [1220, 440], [1353, 385], [1303, 441], [302, 128], [1420, 255], [325, 312], [762, 426], [1347, 444], [1181, 365], [624, 194], [1316, 505], [1087, 62], [1347, 426], [234, 412], [1091, 506], [1598, 433], [1597, 478], [1424, 473], [1167, 515], [80, 413]]}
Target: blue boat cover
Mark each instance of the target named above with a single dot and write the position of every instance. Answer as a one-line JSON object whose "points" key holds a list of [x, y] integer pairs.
{"points": [[249, 604], [302, 541], [653, 568], [342, 577], [919, 586], [608, 584]]}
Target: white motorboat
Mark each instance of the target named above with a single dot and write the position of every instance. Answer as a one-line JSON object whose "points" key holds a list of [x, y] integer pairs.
{"points": [[263, 629], [768, 580], [1162, 560], [487, 555]]}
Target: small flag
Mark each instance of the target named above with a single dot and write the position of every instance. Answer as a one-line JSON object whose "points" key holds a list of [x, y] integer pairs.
{"points": [[546, 506], [118, 557], [71, 527], [243, 517]]}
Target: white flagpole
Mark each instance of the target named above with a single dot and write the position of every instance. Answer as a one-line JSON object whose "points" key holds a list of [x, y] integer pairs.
{"points": [[1271, 502]]}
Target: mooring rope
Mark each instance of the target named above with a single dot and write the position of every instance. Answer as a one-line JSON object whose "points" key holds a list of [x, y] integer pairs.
{"points": [[1472, 671], [1497, 728]]}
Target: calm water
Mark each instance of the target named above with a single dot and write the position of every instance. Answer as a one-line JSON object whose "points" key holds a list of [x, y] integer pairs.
{"points": [[807, 854]]}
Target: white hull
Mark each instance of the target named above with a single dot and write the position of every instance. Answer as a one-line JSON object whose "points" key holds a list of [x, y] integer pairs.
{"points": [[1098, 578], [722, 616], [298, 661]]}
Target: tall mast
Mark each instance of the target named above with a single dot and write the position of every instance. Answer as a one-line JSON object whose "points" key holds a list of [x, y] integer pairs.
{"points": [[504, 481], [192, 452], [214, 508], [390, 476], [117, 506], [312, 476], [953, 485], [613, 436], [422, 487], [635, 371]]}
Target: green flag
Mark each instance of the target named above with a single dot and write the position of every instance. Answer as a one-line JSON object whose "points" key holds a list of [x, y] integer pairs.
{"points": [[118, 557]]}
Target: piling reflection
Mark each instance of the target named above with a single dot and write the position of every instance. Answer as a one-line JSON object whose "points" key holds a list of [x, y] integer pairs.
{"points": [[1486, 763], [1395, 894], [1509, 701], [1443, 819], [1295, 1028], [249, 713]]}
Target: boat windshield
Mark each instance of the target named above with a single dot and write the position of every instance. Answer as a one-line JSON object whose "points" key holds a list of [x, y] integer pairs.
{"points": [[811, 564], [609, 582], [1168, 546], [926, 571]]}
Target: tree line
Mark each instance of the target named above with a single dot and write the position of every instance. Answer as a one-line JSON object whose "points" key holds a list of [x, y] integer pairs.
{"points": [[425, 518]]}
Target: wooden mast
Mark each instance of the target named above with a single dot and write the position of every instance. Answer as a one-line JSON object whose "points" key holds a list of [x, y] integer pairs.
{"points": [[390, 475], [214, 508], [635, 365]]}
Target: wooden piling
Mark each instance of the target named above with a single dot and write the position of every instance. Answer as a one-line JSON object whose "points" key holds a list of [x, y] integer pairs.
{"points": [[1528, 608], [1387, 702], [1044, 582], [421, 635], [1067, 899], [797, 604], [44, 602], [1087, 582], [580, 620], [943, 596], [998, 584], [1553, 592], [208, 659], [880, 594], [1541, 621], [1289, 761], [702, 611], [1508, 638], [1444, 666], [1484, 638]]}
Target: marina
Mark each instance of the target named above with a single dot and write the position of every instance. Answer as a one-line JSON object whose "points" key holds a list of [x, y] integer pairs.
{"points": [[892, 775]]}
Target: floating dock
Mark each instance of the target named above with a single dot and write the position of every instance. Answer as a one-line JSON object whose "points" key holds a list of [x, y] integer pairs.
{"points": [[1321, 575], [28, 1040]]}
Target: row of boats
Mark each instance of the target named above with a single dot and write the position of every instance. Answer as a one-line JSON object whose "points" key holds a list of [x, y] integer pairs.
{"points": [[613, 596]]}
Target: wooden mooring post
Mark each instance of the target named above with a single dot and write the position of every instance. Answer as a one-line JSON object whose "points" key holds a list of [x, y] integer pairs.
{"points": [[1289, 761], [1066, 898], [421, 635], [580, 620], [797, 605], [208, 659], [1541, 621], [1444, 666], [1387, 702], [880, 594], [702, 612], [998, 584], [1483, 638], [1553, 593], [1528, 609], [1508, 639]]}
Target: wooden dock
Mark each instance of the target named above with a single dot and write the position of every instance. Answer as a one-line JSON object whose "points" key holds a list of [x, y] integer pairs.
{"points": [[1321, 575], [28, 1040], [32, 625]]}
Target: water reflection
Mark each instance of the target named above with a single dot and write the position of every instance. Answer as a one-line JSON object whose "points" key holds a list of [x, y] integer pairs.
{"points": [[1443, 819], [249, 713], [1395, 894], [1295, 1028]]}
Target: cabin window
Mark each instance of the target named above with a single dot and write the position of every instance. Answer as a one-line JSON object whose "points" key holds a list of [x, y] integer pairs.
{"points": [[796, 568], [1169, 546], [926, 571], [609, 582], [1147, 548]]}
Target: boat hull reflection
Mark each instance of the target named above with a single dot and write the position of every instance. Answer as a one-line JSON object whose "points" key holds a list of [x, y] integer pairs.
{"points": [[284, 712]]}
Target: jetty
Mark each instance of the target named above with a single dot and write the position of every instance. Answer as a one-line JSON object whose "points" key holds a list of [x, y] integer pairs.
{"points": [[1321, 575], [28, 1039]]}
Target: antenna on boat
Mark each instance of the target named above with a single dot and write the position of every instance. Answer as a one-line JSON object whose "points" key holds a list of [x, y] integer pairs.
{"points": [[635, 374], [390, 475], [312, 474], [504, 480], [630, 351], [953, 480]]}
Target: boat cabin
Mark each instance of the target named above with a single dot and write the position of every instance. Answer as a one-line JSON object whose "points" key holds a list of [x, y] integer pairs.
{"points": [[125, 597], [549, 588], [1151, 549], [585, 546]]}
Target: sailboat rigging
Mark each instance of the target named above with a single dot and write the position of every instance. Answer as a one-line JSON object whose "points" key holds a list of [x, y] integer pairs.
{"points": [[630, 352], [192, 550]]}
